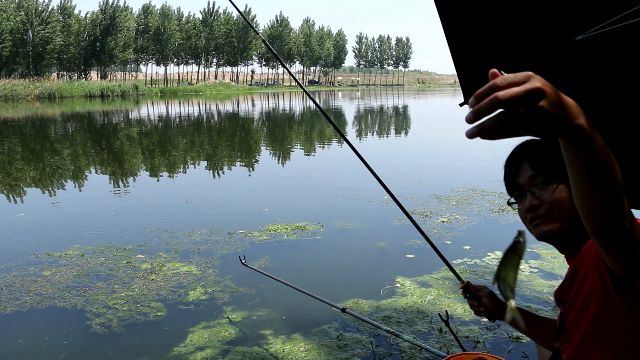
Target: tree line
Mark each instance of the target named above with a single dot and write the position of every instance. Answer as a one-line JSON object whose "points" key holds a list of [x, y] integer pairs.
{"points": [[381, 53], [39, 40]]}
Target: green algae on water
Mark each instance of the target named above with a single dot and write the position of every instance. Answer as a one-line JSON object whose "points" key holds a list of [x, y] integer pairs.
{"points": [[460, 208], [218, 339], [114, 285], [281, 231], [412, 309]]}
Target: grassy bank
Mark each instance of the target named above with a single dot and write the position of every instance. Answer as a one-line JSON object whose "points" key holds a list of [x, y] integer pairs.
{"points": [[55, 90]]}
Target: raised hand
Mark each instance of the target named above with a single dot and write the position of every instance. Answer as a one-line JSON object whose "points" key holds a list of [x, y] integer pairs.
{"points": [[520, 104]]}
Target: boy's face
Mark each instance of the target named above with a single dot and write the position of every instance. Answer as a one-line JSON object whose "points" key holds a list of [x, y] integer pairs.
{"points": [[546, 207]]}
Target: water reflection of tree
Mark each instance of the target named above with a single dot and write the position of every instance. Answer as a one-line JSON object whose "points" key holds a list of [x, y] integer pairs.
{"points": [[163, 138], [382, 121]]}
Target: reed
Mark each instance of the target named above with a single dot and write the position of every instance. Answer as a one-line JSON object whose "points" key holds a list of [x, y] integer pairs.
{"points": [[55, 90]]}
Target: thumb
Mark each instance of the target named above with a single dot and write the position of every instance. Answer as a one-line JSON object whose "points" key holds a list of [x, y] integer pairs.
{"points": [[494, 74]]}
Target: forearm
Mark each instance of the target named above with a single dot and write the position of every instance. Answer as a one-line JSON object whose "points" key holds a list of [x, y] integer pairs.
{"points": [[598, 192]]}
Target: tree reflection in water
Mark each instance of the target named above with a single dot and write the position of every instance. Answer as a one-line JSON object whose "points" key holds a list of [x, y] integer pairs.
{"points": [[166, 137]]}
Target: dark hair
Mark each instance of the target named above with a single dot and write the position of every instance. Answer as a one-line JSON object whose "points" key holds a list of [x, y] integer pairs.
{"points": [[542, 155]]}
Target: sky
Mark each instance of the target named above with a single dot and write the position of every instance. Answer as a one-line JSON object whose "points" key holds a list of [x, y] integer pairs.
{"points": [[417, 19]]}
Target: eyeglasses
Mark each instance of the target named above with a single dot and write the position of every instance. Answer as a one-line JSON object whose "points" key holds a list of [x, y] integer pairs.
{"points": [[541, 188]]}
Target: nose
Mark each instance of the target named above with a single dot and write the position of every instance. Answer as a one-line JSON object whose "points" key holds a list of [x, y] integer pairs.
{"points": [[530, 201]]}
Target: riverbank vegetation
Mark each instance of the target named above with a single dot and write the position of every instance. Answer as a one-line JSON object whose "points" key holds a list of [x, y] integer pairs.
{"points": [[164, 47], [55, 89]]}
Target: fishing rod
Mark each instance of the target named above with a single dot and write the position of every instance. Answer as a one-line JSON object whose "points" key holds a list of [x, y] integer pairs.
{"points": [[344, 310], [352, 147]]}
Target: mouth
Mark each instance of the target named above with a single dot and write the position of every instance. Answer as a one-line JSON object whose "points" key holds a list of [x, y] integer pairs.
{"points": [[535, 220]]}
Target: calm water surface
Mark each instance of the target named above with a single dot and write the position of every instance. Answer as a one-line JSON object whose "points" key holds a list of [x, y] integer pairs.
{"points": [[123, 223]]}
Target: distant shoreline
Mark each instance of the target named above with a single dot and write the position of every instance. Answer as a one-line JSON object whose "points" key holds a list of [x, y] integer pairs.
{"points": [[24, 90]]}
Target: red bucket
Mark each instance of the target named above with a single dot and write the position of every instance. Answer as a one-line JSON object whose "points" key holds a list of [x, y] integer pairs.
{"points": [[472, 356]]}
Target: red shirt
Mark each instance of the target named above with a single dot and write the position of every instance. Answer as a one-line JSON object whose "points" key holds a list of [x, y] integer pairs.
{"points": [[596, 321]]}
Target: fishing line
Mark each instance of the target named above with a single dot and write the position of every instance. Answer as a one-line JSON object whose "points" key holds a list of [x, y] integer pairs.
{"points": [[352, 147]]}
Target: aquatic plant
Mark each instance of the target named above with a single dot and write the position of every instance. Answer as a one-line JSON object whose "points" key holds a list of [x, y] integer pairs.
{"points": [[114, 285], [280, 231], [461, 208], [412, 309]]}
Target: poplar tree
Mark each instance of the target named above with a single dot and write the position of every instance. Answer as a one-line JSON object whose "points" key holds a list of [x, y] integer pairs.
{"points": [[165, 38], [35, 37], [210, 24], [358, 50], [143, 48], [280, 35], [308, 46], [407, 52], [339, 51]]}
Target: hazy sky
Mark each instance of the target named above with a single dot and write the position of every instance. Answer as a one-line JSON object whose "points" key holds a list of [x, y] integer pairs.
{"points": [[417, 19]]}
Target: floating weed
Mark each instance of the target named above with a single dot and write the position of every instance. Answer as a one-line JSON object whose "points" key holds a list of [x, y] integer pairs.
{"points": [[290, 228], [412, 309], [253, 353], [448, 214], [209, 340], [423, 213], [280, 231], [549, 261], [414, 306], [212, 240], [114, 285], [199, 293], [180, 268], [476, 201], [218, 340], [325, 343]]}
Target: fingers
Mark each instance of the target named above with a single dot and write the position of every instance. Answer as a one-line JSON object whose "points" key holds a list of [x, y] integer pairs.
{"points": [[494, 74], [502, 125], [497, 84], [476, 296], [467, 288]]}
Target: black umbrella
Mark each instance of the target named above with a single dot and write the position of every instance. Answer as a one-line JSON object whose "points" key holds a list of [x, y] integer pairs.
{"points": [[586, 49]]}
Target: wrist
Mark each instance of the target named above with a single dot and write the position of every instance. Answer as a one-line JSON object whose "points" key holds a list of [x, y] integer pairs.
{"points": [[573, 119]]}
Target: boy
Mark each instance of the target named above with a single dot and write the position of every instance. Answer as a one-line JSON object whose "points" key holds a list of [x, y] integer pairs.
{"points": [[568, 191]]}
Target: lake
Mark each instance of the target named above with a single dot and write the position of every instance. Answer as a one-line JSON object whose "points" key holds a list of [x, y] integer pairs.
{"points": [[123, 222]]}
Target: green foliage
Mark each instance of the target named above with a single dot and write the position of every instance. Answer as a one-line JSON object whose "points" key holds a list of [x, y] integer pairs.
{"points": [[35, 37], [246, 43], [339, 49], [211, 25], [38, 40], [308, 49], [280, 35], [146, 22]]}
